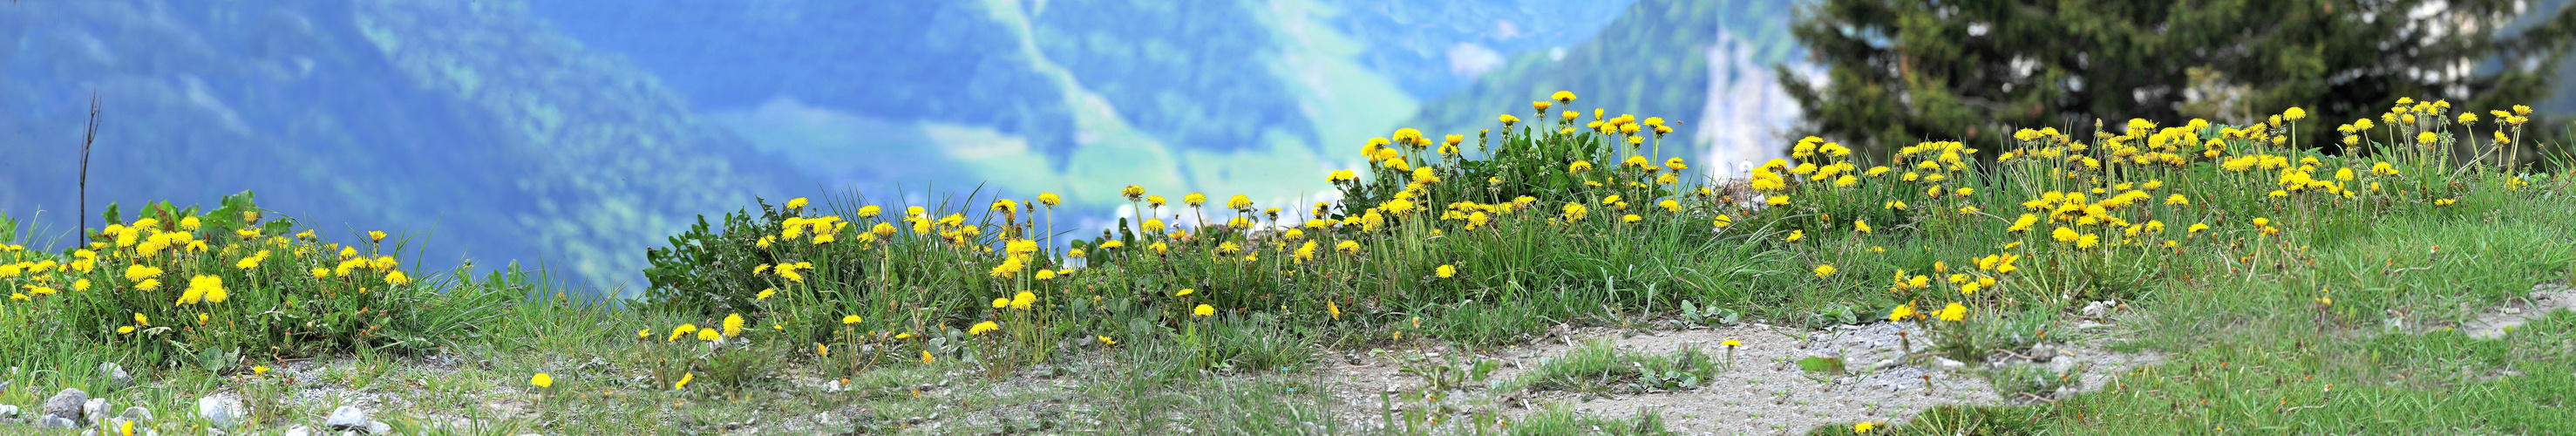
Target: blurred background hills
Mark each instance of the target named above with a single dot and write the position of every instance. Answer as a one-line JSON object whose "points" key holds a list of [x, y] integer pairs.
{"points": [[580, 132]]}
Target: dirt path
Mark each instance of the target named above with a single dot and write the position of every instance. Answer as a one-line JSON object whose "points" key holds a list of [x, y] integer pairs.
{"points": [[1765, 392]]}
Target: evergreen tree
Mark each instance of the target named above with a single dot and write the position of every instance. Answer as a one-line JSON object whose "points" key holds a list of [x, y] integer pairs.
{"points": [[1905, 71]]}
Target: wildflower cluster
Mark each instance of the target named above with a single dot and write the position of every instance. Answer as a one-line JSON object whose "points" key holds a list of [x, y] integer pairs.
{"points": [[177, 282]]}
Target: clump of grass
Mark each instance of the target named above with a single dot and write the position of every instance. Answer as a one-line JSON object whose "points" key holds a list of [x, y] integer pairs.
{"points": [[1560, 420], [1600, 367]]}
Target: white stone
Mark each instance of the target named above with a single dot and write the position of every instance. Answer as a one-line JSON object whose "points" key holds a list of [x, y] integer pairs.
{"points": [[299, 430], [222, 410], [346, 418], [95, 409], [116, 376], [1948, 365]]}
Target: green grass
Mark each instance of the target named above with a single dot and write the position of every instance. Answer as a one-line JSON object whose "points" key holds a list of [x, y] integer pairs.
{"points": [[977, 315], [1599, 367]]}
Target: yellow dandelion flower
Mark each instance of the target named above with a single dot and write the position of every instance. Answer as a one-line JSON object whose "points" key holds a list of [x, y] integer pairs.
{"points": [[211, 288], [1204, 311], [796, 203], [1954, 312], [983, 327], [542, 381], [685, 378], [1024, 300], [1899, 314], [1824, 270], [1446, 271]]}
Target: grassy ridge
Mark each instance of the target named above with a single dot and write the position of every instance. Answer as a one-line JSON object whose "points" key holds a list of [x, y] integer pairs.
{"points": [[2268, 270]]}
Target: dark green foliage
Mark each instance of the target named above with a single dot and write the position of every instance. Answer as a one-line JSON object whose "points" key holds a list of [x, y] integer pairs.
{"points": [[710, 273], [1905, 71]]}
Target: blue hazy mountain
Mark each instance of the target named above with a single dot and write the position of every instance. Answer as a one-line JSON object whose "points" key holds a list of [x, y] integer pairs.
{"points": [[580, 132], [472, 119]]}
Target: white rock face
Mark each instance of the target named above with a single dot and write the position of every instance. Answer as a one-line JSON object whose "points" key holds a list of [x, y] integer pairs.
{"points": [[1748, 113]]}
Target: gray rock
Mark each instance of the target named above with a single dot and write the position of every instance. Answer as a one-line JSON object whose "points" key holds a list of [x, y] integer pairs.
{"points": [[54, 422], [222, 410], [116, 376], [346, 418], [8, 411], [89, 432], [2061, 366], [379, 427], [1948, 365], [299, 430], [137, 413], [66, 405]]}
